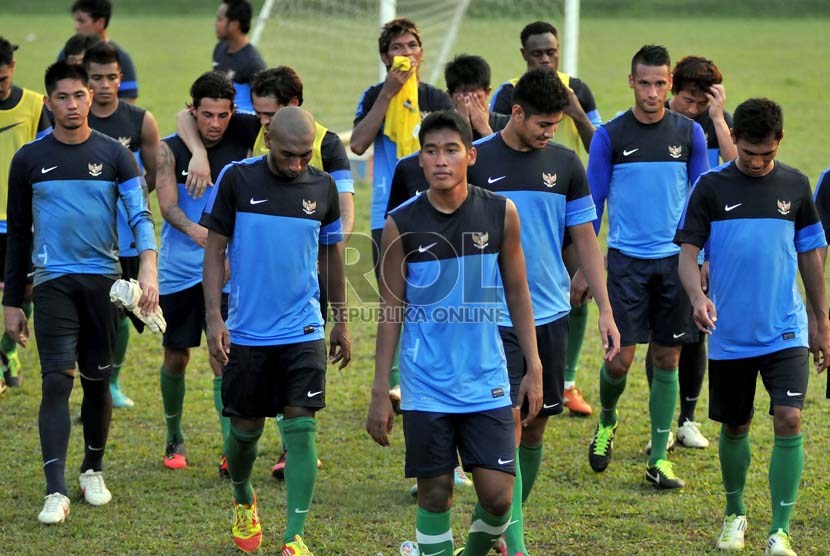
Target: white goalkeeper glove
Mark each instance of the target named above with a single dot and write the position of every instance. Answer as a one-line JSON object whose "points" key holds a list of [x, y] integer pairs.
{"points": [[125, 294]]}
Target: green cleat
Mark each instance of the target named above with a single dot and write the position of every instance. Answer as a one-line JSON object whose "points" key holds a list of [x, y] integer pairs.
{"points": [[601, 447], [662, 475], [11, 369]]}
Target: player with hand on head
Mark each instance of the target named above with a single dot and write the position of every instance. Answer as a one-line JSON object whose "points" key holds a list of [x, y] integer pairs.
{"points": [[729, 209]]}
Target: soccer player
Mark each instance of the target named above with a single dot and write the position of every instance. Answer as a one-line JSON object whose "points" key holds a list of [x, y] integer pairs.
{"points": [[234, 54], [728, 209], [226, 137], [273, 346], [92, 18], [22, 119], [136, 129], [444, 252], [77, 45], [62, 196], [646, 156], [547, 183]]}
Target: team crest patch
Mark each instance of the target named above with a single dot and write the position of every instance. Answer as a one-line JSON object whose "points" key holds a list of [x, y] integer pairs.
{"points": [[124, 141], [549, 179], [95, 170], [309, 207], [784, 207], [480, 239], [675, 151]]}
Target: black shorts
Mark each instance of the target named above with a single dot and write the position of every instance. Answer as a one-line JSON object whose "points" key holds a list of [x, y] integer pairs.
{"points": [[30, 274], [484, 439], [648, 301], [260, 381], [75, 321], [184, 312], [552, 343], [732, 383]]}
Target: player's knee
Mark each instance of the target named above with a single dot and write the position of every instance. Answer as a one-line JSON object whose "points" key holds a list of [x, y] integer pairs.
{"points": [[56, 386], [534, 433], [618, 367], [176, 360], [787, 421], [435, 494], [497, 502], [665, 357]]}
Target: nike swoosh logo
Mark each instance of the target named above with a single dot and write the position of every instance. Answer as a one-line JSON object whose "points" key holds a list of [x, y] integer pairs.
{"points": [[505, 461], [299, 511], [166, 416], [258, 201], [494, 180], [727, 208], [311, 394], [731, 492], [688, 399], [427, 248], [418, 192], [655, 478], [676, 336], [662, 431], [184, 172], [546, 406], [47, 170], [102, 367], [793, 394], [433, 553], [785, 504], [629, 153], [8, 127]]}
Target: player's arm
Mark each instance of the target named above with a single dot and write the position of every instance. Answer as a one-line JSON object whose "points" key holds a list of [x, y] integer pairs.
{"points": [[699, 157], [213, 279], [149, 148], [198, 170], [330, 264], [811, 268], [705, 314], [517, 295], [591, 265], [367, 128], [336, 163], [167, 189], [717, 101], [600, 166], [392, 292], [18, 251], [584, 126]]}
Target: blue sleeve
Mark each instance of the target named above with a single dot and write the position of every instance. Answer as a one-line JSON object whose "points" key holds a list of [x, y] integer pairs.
{"points": [[502, 100], [599, 171], [133, 192], [822, 200], [699, 158]]}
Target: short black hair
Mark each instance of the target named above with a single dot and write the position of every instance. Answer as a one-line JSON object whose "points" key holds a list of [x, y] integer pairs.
{"points": [[695, 73], [101, 53], [537, 28], [651, 55], [212, 84], [95, 8], [63, 70], [467, 71], [6, 52], [281, 82], [540, 91], [241, 12], [396, 27], [757, 119], [447, 119], [79, 43]]}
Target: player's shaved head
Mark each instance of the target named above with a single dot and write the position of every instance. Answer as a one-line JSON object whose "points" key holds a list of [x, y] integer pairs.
{"points": [[292, 123], [290, 141]]}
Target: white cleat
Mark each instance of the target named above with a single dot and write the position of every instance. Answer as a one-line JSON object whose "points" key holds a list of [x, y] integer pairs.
{"points": [[55, 509], [669, 444], [689, 435], [779, 545], [732, 535], [95, 491]]}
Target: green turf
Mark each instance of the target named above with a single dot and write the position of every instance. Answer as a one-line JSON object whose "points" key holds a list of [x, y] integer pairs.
{"points": [[361, 507]]}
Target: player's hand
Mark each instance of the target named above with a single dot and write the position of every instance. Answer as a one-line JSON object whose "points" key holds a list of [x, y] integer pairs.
{"points": [[461, 106], [530, 389], [819, 341], [704, 277], [580, 291], [395, 80], [610, 335], [17, 327], [149, 283], [218, 339], [198, 176], [381, 418], [705, 314], [574, 107], [479, 114], [340, 345], [198, 234], [717, 100]]}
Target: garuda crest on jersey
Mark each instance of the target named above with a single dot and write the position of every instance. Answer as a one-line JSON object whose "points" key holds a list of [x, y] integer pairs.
{"points": [[124, 141], [675, 151], [784, 207], [95, 170], [480, 239], [549, 179], [309, 207]]}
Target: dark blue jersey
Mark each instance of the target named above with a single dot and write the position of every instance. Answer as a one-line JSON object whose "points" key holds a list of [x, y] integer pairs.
{"points": [[63, 198], [275, 226], [712, 145], [129, 78], [502, 99], [451, 354], [240, 66], [645, 172], [753, 229], [551, 192], [430, 99], [123, 125], [822, 200]]}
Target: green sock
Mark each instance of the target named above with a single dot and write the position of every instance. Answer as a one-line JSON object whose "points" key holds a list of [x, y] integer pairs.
{"points": [[300, 472], [515, 534], [484, 531], [224, 422], [240, 449], [577, 324], [610, 390], [784, 476], [172, 398], [395, 372], [279, 419], [530, 459], [119, 353], [735, 457], [661, 402], [433, 532]]}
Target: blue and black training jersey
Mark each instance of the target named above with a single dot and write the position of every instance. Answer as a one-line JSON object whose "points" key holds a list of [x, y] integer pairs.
{"points": [[62, 210], [240, 67], [645, 172], [275, 226], [124, 125], [430, 99], [451, 354], [822, 200], [180, 258], [551, 192], [755, 229], [712, 145]]}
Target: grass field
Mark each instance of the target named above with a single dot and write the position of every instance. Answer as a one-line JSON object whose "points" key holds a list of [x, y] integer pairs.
{"points": [[361, 507]]}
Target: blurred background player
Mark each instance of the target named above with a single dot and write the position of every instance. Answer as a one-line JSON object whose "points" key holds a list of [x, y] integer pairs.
{"points": [[22, 119], [77, 45], [226, 137], [136, 129], [234, 54]]}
